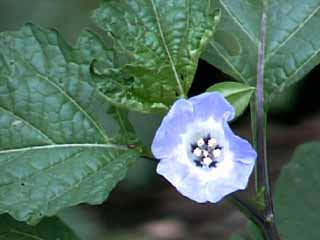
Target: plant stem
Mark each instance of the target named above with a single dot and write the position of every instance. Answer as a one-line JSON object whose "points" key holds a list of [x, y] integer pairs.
{"points": [[254, 214], [262, 167], [259, 123], [247, 208]]}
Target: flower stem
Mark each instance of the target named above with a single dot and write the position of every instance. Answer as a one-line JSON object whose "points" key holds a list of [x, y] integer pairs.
{"points": [[259, 124], [252, 213], [247, 208]]}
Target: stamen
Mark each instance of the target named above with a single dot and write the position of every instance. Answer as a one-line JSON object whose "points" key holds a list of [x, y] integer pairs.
{"points": [[207, 161], [205, 153], [198, 163], [197, 152], [212, 142], [216, 152], [200, 142], [213, 164]]}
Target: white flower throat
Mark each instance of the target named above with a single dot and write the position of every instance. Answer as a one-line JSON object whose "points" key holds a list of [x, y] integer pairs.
{"points": [[206, 152]]}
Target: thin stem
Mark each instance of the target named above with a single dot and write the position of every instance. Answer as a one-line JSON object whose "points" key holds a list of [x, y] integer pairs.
{"points": [[254, 134], [247, 208], [259, 122], [252, 213], [262, 168]]}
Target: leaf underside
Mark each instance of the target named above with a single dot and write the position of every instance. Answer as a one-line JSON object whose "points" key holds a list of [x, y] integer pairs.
{"points": [[158, 45], [292, 47], [59, 146]]}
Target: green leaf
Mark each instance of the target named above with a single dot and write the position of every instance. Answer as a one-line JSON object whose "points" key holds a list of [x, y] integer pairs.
{"points": [[161, 42], [297, 195], [252, 233], [49, 229], [236, 237], [292, 47], [236, 93], [93, 48], [59, 146]]}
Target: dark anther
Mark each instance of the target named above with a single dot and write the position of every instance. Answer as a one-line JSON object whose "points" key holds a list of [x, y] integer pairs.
{"points": [[203, 154], [198, 163], [213, 164], [206, 139], [193, 147], [218, 147]]}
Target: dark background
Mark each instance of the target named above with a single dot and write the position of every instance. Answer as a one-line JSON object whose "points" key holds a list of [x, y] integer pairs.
{"points": [[144, 206]]}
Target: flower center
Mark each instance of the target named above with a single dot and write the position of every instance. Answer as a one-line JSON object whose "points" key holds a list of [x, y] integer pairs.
{"points": [[206, 152]]}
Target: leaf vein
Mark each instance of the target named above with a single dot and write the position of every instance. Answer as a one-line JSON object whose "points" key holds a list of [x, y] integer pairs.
{"points": [[64, 93], [237, 21], [88, 177], [73, 155], [290, 36], [25, 234], [303, 64], [173, 67], [74, 102], [37, 129], [75, 145], [228, 62]]}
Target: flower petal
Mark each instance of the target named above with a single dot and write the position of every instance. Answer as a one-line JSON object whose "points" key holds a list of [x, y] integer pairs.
{"points": [[194, 188], [218, 190], [189, 121], [242, 174], [214, 105], [237, 180], [241, 148], [173, 125], [173, 171]]}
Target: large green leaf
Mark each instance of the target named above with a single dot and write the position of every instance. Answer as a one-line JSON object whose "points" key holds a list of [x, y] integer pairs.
{"points": [[293, 46], [297, 195], [48, 229], [252, 233], [59, 146], [161, 42]]}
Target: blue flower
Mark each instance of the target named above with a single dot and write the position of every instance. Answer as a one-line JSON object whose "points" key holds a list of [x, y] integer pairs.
{"points": [[198, 152]]}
